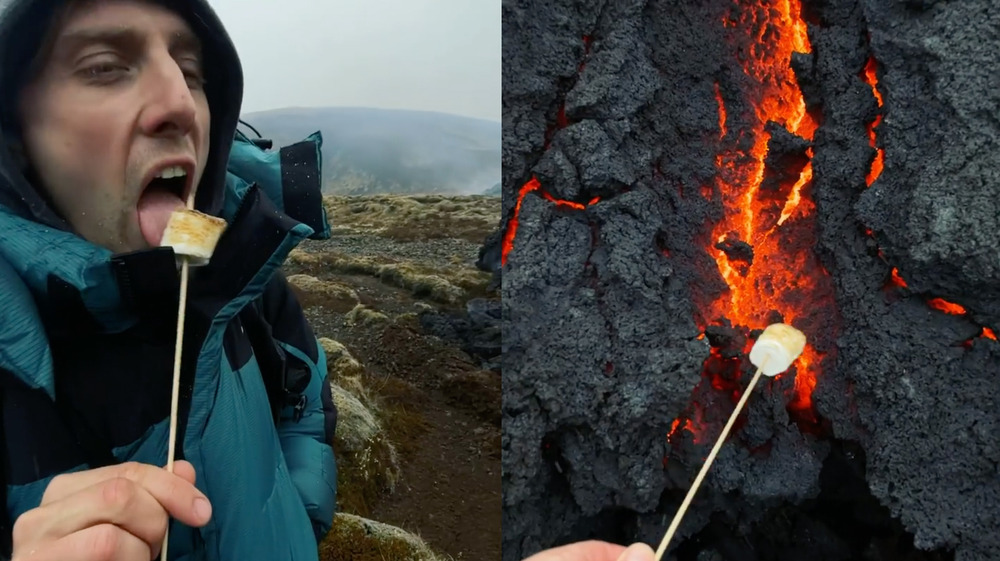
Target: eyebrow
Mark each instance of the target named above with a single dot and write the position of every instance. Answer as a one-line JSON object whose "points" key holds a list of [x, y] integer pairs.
{"points": [[181, 42]]}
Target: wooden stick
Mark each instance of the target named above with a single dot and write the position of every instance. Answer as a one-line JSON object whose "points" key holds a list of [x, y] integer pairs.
{"points": [[175, 392], [176, 389], [704, 469]]}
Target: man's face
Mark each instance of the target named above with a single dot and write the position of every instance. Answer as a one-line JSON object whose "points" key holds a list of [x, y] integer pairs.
{"points": [[118, 99]]}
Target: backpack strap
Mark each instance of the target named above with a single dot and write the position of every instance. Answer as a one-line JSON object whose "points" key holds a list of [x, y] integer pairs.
{"points": [[285, 378]]}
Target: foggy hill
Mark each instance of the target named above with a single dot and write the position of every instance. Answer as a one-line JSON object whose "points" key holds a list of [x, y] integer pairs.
{"points": [[370, 151]]}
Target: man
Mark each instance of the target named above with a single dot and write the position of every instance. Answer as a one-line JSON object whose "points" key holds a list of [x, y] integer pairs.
{"points": [[113, 113]]}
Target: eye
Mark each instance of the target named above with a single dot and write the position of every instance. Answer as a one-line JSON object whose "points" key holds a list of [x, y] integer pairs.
{"points": [[98, 70], [104, 70], [195, 79], [193, 74]]}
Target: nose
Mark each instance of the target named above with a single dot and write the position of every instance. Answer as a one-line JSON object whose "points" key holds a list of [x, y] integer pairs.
{"points": [[169, 108]]}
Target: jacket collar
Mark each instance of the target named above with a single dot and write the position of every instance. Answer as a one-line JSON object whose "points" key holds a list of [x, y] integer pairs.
{"points": [[78, 285]]}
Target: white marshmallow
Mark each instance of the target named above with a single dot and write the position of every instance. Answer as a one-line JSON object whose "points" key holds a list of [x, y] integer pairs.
{"points": [[777, 348], [193, 235]]}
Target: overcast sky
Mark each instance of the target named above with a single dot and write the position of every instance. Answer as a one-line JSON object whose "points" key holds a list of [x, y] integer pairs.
{"points": [[433, 55]]}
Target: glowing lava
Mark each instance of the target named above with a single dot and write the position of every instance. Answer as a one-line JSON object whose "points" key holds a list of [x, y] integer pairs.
{"points": [[722, 112], [871, 79], [941, 305], [896, 280], [561, 122], [511, 233], [946, 307], [785, 275], [693, 427], [533, 186]]}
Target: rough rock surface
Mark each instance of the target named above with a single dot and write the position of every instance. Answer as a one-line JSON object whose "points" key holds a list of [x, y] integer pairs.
{"points": [[476, 329], [360, 539], [615, 101]]}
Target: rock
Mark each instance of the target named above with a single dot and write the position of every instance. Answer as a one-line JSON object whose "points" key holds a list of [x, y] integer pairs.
{"points": [[477, 330], [606, 304], [434, 287], [367, 461], [490, 257], [353, 538], [339, 361], [315, 292], [363, 315], [356, 425]]}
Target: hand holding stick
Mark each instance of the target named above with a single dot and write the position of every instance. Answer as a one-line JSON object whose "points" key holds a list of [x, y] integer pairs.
{"points": [[773, 353]]}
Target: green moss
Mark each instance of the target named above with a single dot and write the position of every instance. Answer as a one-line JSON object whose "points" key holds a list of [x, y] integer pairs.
{"points": [[363, 315], [416, 217], [353, 538], [368, 465]]}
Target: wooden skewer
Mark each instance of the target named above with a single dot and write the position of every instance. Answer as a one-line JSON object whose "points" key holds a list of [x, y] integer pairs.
{"points": [[704, 469], [175, 391]]}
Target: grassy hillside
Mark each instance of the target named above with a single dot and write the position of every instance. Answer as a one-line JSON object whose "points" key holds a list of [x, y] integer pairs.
{"points": [[418, 430], [377, 151]]}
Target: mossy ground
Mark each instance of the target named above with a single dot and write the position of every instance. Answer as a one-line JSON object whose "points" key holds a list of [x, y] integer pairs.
{"points": [[421, 455]]}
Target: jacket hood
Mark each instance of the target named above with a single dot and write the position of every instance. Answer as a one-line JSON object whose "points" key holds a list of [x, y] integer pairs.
{"points": [[23, 24]]}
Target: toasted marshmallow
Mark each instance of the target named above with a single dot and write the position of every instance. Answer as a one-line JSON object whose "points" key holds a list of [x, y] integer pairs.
{"points": [[777, 348], [193, 235]]}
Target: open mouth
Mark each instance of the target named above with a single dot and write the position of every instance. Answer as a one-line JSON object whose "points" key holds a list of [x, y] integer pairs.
{"points": [[166, 191], [172, 180]]}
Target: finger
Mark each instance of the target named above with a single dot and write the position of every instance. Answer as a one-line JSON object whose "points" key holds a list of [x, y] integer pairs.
{"points": [[638, 552], [179, 497], [69, 483], [592, 550], [105, 542], [185, 471], [117, 501]]}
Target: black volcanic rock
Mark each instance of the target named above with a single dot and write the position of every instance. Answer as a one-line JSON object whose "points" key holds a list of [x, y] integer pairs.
{"points": [[604, 307], [490, 258], [477, 330], [937, 208]]}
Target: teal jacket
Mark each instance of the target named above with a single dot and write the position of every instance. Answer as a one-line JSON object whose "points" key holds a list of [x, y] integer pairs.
{"points": [[86, 363], [87, 337]]}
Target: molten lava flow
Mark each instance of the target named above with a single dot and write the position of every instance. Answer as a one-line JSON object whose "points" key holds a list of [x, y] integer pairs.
{"points": [[895, 278], [529, 187], [561, 122], [689, 426], [946, 307], [508, 238], [722, 112], [943, 305], [569, 204], [784, 275], [871, 79]]}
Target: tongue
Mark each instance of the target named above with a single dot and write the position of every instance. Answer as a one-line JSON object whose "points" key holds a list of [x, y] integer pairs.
{"points": [[155, 207]]}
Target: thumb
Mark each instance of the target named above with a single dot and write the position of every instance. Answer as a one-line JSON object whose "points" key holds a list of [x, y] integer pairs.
{"points": [[637, 552]]}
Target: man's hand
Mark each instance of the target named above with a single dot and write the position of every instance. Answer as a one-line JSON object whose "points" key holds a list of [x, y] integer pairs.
{"points": [[595, 551], [114, 513]]}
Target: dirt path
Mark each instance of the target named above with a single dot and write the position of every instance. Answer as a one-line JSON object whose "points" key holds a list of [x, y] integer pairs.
{"points": [[448, 492]]}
